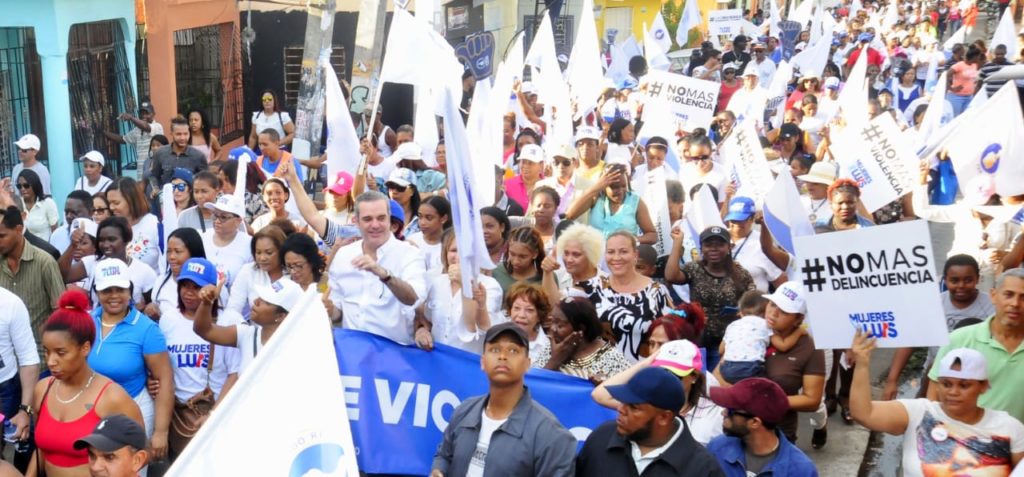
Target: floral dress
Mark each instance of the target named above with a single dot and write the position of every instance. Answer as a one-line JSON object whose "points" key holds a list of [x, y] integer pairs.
{"points": [[628, 314]]}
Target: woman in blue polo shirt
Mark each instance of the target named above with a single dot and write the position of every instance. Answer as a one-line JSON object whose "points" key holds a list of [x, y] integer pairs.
{"points": [[128, 346]]}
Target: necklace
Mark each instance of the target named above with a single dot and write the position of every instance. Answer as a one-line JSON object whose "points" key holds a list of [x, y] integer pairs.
{"points": [[814, 211], [80, 391]]}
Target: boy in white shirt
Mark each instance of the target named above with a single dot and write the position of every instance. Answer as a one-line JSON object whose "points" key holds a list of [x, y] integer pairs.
{"points": [[746, 341]]}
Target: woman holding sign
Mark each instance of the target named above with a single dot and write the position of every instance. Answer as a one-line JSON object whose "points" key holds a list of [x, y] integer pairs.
{"points": [[953, 435]]}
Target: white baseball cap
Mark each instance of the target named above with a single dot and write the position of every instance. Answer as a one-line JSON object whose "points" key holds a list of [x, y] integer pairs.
{"points": [[110, 272], [532, 153], [527, 87], [87, 226], [28, 141], [283, 293], [588, 132], [562, 150], [93, 156], [402, 176], [409, 150], [790, 297], [972, 365], [229, 203]]}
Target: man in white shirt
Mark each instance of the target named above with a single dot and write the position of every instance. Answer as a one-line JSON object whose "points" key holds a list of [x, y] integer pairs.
{"points": [[376, 283], [226, 246], [28, 149], [764, 66], [563, 180], [19, 363], [749, 101]]}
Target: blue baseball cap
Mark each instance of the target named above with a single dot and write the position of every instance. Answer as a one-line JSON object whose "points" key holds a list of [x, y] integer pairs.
{"points": [[183, 174], [241, 152], [656, 386], [865, 37], [740, 209], [200, 271], [396, 211]]}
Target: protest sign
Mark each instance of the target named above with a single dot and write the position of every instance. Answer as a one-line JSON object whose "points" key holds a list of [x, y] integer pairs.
{"points": [[790, 33], [656, 199], [749, 168], [399, 399], [725, 22], [692, 100], [876, 155], [881, 280]]}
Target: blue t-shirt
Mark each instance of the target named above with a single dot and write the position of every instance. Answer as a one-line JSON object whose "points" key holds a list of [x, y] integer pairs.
{"points": [[120, 356], [269, 168]]}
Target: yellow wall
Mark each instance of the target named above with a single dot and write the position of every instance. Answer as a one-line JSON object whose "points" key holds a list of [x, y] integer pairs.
{"points": [[645, 11]]}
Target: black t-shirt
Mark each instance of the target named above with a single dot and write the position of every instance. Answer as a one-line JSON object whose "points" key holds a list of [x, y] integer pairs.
{"points": [[732, 57]]}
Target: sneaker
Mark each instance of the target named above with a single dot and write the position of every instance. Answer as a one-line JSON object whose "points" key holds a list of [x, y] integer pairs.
{"points": [[819, 438]]}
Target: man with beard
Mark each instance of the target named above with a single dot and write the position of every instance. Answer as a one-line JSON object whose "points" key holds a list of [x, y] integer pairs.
{"points": [[752, 443], [647, 438]]}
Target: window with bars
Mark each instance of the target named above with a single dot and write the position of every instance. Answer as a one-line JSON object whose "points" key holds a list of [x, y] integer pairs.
{"points": [[208, 72], [21, 94], [293, 69]]}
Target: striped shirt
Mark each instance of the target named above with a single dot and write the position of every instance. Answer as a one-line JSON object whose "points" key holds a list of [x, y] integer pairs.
{"points": [[990, 69], [38, 283]]}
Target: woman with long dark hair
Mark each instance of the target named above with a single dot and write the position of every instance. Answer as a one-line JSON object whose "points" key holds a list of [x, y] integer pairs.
{"points": [[523, 258], [199, 135], [435, 217], [127, 200], [182, 245], [271, 115], [42, 217]]}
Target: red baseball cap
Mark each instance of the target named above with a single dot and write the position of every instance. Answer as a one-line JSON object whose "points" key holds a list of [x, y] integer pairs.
{"points": [[761, 397]]}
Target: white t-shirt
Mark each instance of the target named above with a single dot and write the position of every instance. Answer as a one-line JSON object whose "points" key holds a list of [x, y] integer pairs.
{"points": [[249, 338], [243, 291], [717, 177], [230, 258], [165, 293], [817, 210], [487, 428], [705, 420], [190, 354], [39, 169], [431, 253], [981, 308], [41, 217], [444, 310], [143, 278], [17, 345], [145, 244], [935, 444], [747, 339], [265, 219], [275, 121], [101, 185], [383, 170], [61, 238], [749, 255]]}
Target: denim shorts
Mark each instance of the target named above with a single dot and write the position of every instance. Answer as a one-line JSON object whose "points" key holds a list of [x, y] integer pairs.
{"points": [[734, 371]]}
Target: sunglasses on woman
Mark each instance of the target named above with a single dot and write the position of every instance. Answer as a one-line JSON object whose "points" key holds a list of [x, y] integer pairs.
{"points": [[24, 186], [563, 162], [180, 187], [397, 188]]}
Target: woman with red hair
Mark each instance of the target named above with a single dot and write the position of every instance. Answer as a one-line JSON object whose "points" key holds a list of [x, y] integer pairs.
{"points": [[685, 322], [844, 195], [74, 399]]}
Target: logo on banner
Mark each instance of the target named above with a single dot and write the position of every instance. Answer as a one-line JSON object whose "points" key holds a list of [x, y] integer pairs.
{"points": [[990, 158], [872, 269], [875, 324], [860, 174], [321, 459]]}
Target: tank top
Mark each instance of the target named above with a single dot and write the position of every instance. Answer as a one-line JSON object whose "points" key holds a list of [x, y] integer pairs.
{"points": [[906, 95], [56, 439], [602, 219]]}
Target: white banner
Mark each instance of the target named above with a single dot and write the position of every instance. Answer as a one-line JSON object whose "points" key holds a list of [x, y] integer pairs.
{"points": [[877, 156], [692, 100], [881, 280], [725, 22], [749, 167], [656, 200]]}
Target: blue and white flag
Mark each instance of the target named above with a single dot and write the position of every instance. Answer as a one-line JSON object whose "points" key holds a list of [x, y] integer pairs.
{"points": [[297, 370], [466, 201], [400, 399], [784, 214], [659, 33], [654, 52], [996, 153]]}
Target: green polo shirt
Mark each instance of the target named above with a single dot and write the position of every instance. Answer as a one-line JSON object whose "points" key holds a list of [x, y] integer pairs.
{"points": [[38, 283], [1005, 368]]}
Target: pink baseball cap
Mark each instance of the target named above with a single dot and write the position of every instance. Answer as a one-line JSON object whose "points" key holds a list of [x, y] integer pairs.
{"points": [[680, 356], [342, 184]]}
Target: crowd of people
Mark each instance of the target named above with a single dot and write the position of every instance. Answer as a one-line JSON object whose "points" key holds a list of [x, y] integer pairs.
{"points": [[126, 320]]}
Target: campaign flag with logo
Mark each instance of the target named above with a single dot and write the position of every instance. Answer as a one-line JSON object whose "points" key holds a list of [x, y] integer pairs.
{"points": [[749, 168], [659, 33], [297, 370], [881, 280], [724, 23], [877, 155], [692, 100], [654, 53], [784, 214], [990, 145], [399, 399]]}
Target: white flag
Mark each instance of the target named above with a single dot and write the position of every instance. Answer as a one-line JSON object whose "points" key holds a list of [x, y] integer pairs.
{"points": [[653, 52], [932, 120], [959, 36], [814, 58], [691, 19], [775, 16], [170, 212], [243, 169], [584, 70], [1005, 34], [853, 99], [342, 143], [659, 32], [298, 368], [802, 14], [997, 153]]}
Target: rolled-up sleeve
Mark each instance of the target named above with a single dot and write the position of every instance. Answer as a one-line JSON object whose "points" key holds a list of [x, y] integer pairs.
{"points": [[21, 335]]}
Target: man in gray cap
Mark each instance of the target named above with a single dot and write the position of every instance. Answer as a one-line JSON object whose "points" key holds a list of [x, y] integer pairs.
{"points": [[505, 432], [117, 447]]}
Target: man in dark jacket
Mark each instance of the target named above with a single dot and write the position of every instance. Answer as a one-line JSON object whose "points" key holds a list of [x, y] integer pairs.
{"points": [[648, 438], [505, 433]]}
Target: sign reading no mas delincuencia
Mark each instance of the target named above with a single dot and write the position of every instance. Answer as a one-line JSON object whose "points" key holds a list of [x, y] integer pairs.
{"points": [[881, 280]]}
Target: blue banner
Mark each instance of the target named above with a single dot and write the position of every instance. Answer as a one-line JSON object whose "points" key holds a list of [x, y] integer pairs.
{"points": [[399, 398]]}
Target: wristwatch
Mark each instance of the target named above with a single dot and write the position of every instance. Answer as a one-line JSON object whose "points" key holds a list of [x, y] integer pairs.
{"points": [[386, 278], [27, 409]]}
